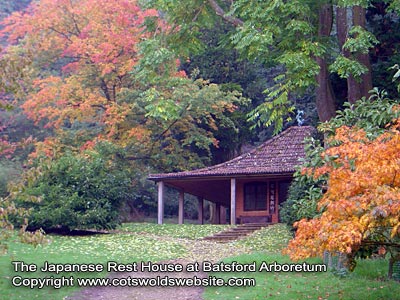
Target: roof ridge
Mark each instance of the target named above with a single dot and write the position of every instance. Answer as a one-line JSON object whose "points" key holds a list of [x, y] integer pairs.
{"points": [[262, 145], [268, 141]]}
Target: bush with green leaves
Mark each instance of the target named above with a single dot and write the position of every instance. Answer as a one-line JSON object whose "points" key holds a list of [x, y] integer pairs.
{"points": [[78, 192], [304, 191], [372, 115]]}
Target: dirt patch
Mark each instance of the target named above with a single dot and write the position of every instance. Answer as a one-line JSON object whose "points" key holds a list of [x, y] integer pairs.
{"points": [[144, 293], [197, 251]]}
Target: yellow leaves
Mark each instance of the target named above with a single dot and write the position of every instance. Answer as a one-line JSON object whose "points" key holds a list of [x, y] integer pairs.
{"points": [[320, 171]]}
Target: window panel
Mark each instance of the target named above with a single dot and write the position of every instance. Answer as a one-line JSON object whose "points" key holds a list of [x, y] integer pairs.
{"points": [[255, 196]]}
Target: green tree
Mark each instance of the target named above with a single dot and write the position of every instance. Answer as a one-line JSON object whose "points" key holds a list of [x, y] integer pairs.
{"points": [[90, 72], [299, 35], [305, 191]]}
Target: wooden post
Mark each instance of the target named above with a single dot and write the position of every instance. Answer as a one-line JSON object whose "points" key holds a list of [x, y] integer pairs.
{"points": [[181, 201], [233, 201], [200, 210], [160, 218], [217, 213]]}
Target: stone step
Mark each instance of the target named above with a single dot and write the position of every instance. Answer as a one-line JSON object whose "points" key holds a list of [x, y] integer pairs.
{"points": [[246, 228], [253, 225], [229, 234], [232, 233], [222, 241], [235, 233]]}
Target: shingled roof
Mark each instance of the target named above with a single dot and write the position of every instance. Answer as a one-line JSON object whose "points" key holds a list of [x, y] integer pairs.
{"points": [[279, 155]]}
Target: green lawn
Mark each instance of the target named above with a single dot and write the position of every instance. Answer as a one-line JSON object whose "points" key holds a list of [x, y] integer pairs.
{"points": [[190, 231], [96, 249], [279, 285], [151, 242], [367, 282]]}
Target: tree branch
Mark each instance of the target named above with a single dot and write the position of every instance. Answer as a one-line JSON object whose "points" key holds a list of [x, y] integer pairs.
{"points": [[220, 12], [105, 89], [61, 33], [377, 243]]}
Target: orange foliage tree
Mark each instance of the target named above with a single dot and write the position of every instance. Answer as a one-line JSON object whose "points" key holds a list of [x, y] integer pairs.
{"points": [[93, 76], [84, 51], [362, 203]]}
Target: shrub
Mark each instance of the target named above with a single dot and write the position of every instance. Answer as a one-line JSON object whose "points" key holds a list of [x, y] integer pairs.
{"points": [[77, 192]]}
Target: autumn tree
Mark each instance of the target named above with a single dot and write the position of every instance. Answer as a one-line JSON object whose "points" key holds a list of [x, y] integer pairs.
{"points": [[339, 180], [362, 203], [82, 52], [371, 115], [101, 72]]}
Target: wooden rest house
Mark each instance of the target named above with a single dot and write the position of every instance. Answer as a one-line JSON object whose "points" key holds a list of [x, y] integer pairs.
{"points": [[251, 186]]}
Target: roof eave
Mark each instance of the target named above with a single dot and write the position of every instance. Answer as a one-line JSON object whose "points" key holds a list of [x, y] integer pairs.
{"points": [[219, 176]]}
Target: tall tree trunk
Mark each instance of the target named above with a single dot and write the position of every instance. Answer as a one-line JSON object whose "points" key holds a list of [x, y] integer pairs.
{"points": [[356, 89], [342, 28], [365, 85], [325, 100]]}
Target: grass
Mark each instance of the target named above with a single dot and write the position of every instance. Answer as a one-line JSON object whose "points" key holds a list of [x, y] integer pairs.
{"points": [[366, 282], [271, 238], [279, 285], [96, 249]]}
